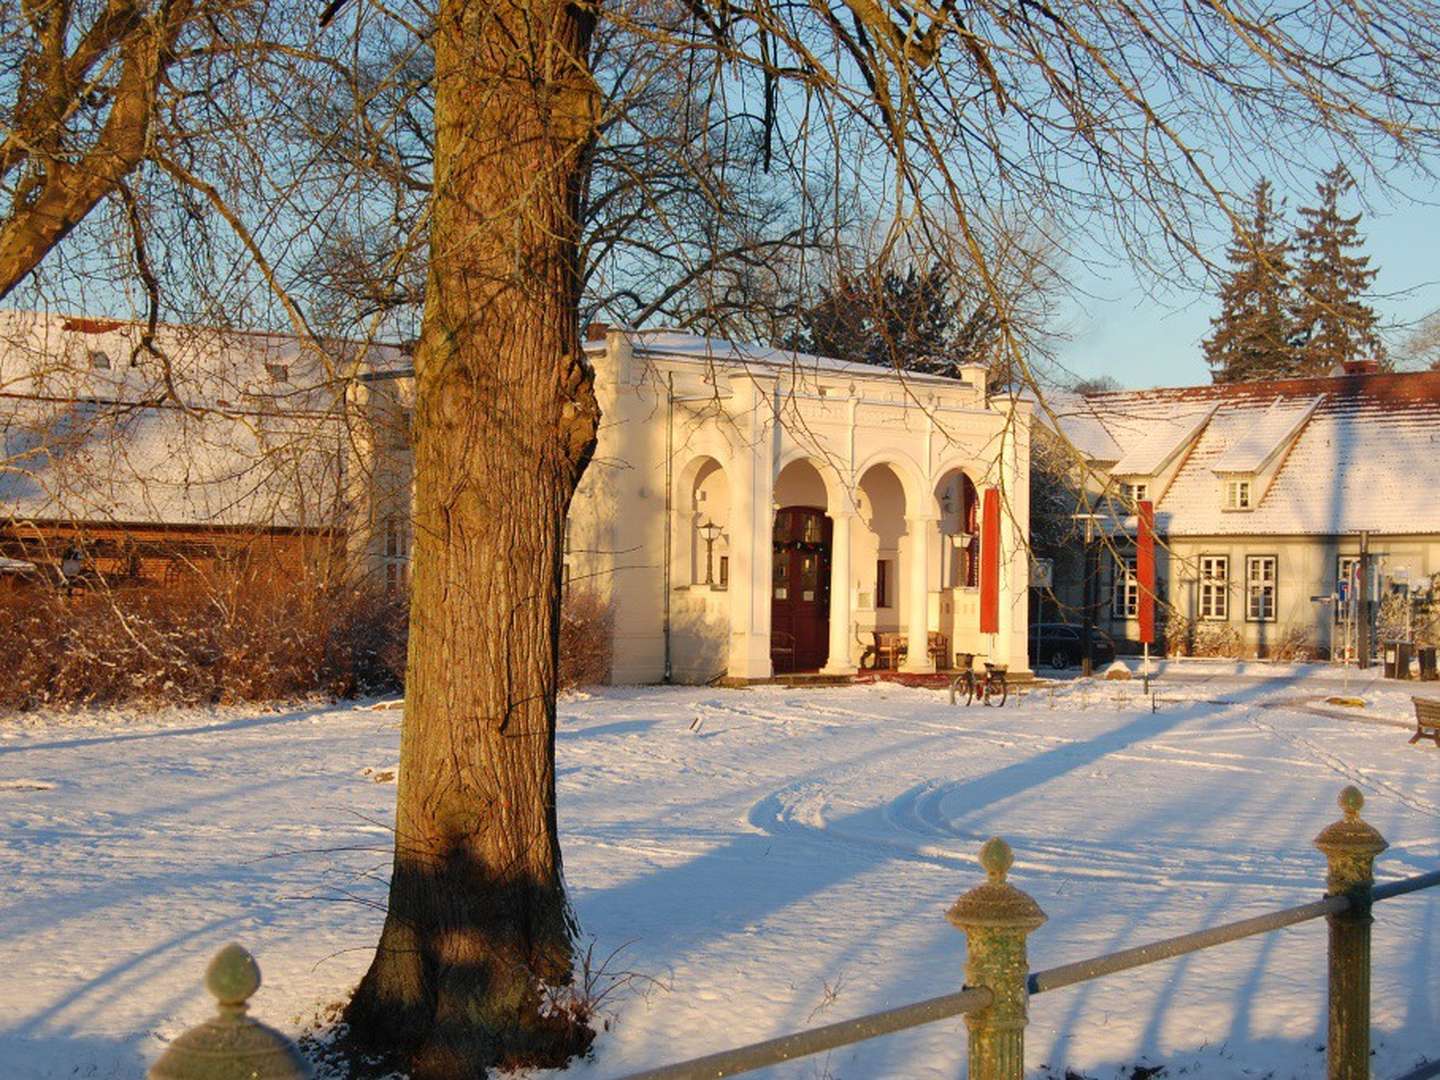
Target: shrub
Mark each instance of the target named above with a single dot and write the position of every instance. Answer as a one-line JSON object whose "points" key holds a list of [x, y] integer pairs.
{"points": [[235, 637], [1199, 637], [1294, 644], [585, 640]]}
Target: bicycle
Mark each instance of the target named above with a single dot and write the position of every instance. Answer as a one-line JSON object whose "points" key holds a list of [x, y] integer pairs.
{"points": [[991, 688]]}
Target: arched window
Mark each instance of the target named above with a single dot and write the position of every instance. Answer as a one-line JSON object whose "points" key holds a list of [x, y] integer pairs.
{"points": [[970, 526]]}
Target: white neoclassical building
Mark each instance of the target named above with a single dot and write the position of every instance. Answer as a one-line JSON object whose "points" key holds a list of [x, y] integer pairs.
{"points": [[751, 512]]}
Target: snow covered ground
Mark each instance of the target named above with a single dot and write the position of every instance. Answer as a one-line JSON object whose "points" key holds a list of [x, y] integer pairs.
{"points": [[765, 859]]}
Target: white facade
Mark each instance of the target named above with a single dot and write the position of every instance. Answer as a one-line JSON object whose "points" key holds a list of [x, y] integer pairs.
{"points": [[702, 445]]}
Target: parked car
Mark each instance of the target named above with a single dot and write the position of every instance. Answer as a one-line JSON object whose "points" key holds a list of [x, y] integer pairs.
{"points": [[1061, 645]]}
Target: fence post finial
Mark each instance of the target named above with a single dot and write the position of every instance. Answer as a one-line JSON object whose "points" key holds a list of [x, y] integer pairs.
{"points": [[231, 1046], [997, 918], [1350, 846]]}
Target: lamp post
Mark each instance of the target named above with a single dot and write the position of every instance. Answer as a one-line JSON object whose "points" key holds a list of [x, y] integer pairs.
{"points": [[1087, 660], [709, 530]]}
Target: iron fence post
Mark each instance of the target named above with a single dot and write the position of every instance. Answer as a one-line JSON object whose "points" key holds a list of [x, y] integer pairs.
{"points": [[997, 918], [1350, 846]]}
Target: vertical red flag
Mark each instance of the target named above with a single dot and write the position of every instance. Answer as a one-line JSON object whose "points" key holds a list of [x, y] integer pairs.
{"points": [[990, 563], [1145, 569]]}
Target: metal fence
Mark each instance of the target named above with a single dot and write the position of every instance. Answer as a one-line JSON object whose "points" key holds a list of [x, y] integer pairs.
{"points": [[997, 918]]}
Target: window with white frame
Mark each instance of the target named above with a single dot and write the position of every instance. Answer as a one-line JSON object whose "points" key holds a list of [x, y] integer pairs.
{"points": [[1125, 591], [1237, 495], [1260, 588], [1214, 585], [1137, 492], [397, 554]]}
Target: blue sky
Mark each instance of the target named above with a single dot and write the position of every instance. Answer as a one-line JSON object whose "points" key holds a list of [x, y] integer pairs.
{"points": [[1154, 340]]}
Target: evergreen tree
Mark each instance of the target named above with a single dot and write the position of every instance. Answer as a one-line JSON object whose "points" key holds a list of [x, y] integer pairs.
{"points": [[1251, 337], [918, 320], [1333, 323]]}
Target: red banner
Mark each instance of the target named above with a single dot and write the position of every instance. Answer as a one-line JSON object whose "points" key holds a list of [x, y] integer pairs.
{"points": [[990, 563], [1145, 569]]}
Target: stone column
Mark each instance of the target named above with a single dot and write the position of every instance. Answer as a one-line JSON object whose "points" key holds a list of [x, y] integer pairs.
{"points": [[752, 526], [997, 918], [841, 582], [1350, 846], [917, 622]]}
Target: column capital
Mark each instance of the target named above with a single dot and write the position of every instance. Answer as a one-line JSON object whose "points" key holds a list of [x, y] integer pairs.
{"points": [[923, 519]]}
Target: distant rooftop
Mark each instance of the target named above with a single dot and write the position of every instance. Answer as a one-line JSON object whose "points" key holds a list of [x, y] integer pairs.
{"points": [[1348, 452]]}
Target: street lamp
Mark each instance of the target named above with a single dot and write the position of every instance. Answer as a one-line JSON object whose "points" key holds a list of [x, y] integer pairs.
{"points": [[1087, 662], [709, 530]]}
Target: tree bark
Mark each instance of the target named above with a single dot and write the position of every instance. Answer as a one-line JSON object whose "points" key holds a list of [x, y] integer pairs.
{"points": [[478, 924]]}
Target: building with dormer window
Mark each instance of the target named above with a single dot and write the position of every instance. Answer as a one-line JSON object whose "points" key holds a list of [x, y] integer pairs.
{"points": [[1265, 494]]}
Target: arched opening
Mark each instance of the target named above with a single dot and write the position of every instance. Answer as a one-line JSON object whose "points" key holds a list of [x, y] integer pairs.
{"points": [[959, 562], [698, 605], [708, 526], [959, 531], [800, 586], [881, 558]]}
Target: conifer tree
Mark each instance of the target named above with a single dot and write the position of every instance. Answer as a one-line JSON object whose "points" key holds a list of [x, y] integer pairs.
{"points": [[1333, 323], [1251, 337]]}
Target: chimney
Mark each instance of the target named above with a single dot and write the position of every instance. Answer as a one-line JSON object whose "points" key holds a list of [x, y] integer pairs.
{"points": [[596, 331], [1361, 367]]}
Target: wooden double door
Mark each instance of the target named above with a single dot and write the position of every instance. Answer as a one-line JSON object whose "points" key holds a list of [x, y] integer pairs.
{"points": [[800, 591]]}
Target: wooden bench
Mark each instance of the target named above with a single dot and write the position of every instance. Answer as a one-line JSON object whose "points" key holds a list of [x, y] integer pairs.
{"points": [[1427, 719]]}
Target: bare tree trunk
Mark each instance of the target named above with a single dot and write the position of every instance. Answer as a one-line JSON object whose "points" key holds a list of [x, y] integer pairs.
{"points": [[478, 922]]}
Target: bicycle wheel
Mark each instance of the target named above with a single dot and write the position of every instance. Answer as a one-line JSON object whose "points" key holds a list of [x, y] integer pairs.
{"points": [[996, 692]]}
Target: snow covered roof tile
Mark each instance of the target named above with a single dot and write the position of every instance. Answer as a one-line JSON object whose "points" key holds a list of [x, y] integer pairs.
{"points": [[680, 344], [87, 461], [1082, 425], [1360, 452], [1151, 438], [1265, 435]]}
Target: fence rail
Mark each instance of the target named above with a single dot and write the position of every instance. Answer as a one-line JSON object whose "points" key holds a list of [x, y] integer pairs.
{"points": [[997, 918], [804, 1043]]}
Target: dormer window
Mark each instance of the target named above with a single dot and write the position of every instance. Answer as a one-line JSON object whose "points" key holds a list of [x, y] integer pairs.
{"points": [[1136, 493], [99, 360], [1237, 495]]}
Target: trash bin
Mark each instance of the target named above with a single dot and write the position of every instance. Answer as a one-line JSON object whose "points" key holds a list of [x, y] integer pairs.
{"points": [[1397, 659], [1428, 670]]}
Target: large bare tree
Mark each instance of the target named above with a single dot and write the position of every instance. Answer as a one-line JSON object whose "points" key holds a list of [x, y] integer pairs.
{"points": [[1094, 114], [1131, 124]]}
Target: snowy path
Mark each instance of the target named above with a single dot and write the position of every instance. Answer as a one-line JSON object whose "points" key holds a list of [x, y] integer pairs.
{"points": [[787, 864]]}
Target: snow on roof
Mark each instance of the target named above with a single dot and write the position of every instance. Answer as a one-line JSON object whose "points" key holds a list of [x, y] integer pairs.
{"points": [[1151, 437], [72, 357], [1367, 457], [228, 429], [98, 462], [1078, 419], [1265, 435], [692, 346]]}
